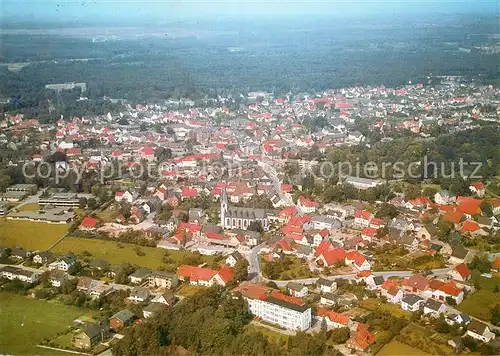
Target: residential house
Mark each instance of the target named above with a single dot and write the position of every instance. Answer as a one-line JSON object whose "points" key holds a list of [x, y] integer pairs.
{"points": [[428, 232], [43, 257], [152, 309], [333, 319], [443, 197], [478, 188], [140, 275], [362, 218], [63, 264], [166, 298], [412, 302], [307, 205], [90, 336], [328, 299], [449, 290], [88, 224], [121, 319], [204, 276], [233, 258], [326, 285], [459, 255], [162, 279], [462, 318], [460, 272], [374, 283], [321, 222], [139, 295], [57, 278], [297, 290], [19, 253], [434, 308], [361, 339], [480, 331], [391, 291]]}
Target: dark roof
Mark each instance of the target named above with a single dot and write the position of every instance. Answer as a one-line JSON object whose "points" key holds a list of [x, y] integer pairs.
{"points": [[379, 280], [141, 273], [324, 282], [411, 299], [329, 296], [477, 327], [282, 303], [459, 252], [93, 330], [124, 315], [433, 304], [154, 307], [431, 229], [294, 286]]}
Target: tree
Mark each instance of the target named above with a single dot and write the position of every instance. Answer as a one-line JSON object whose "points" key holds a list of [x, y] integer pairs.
{"points": [[92, 203], [241, 270], [451, 300], [82, 204], [480, 263], [255, 226], [340, 335], [495, 315], [387, 210]]}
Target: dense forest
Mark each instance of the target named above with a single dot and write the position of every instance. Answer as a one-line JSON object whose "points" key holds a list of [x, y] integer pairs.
{"points": [[276, 58]]}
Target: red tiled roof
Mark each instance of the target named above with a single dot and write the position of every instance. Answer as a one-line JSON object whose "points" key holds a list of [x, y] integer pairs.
{"points": [[89, 222], [463, 270], [322, 247], [453, 216], [364, 214], [470, 226], [477, 185], [189, 192], [450, 288], [333, 256], [333, 316], [416, 281], [369, 231], [226, 274], [195, 273]]}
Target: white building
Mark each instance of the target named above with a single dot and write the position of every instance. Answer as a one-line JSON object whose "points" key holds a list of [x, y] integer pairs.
{"points": [[274, 307]]}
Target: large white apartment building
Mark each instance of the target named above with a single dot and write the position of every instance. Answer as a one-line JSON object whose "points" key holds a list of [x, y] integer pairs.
{"points": [[275, 307]]}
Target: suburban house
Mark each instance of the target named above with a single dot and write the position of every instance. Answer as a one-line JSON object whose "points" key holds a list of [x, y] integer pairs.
{"points": [[140, 275], [412, 302], [152, 309], [162, 279], [457, 319], [139, 295], [233, 258], [361, 339], [90, 336], [460, 272], [333, 319], [391, 291], [326, 285], [165, 298], [434, 308], [63, 264], [480, 331], [204, 276], [297, 290], [88, 224], [121, 319], [43, 257], [328, 299]]}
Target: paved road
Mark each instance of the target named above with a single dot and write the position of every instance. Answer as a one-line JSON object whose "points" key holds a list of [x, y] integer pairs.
{"points": [[386, 275], [271, 173], [30, 199], [254, 262]]}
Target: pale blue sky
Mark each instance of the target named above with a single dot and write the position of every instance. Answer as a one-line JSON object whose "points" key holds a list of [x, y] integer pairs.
{"points": [[112, 10]]}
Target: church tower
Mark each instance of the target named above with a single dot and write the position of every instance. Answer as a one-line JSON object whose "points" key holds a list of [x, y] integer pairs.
{"points": [[223, 208]]}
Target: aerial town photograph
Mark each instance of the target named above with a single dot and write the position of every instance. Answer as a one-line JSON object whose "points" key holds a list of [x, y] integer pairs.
{"points": [[254, 177]]}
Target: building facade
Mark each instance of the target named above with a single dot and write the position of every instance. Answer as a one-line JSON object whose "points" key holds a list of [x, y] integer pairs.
{"points": [[240, 218]]}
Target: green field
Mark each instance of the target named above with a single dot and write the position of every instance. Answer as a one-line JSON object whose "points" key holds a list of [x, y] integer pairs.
{"points": [[112, 252], [396, 348], [375, 304], [29, 207], [479, 304], [30, 235], [27, 322], [273, 336]]}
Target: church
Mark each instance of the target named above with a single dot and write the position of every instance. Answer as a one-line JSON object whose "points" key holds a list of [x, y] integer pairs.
{"points": [[240, 218]]}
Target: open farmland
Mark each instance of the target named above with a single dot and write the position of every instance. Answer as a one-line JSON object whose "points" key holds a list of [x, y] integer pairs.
{"points": [[30, 235], [27, 322]]}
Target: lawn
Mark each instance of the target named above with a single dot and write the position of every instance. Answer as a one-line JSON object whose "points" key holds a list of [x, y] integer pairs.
{"points": [[108, 215], [27, 322], [375, 304], [398, 348], [187, 290], [479, 304], [118, 253], [29, 207], [273, 336], [30, 235]]}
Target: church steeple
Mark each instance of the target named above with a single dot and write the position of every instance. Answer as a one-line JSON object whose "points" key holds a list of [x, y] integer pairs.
{"points": [[223, 208]]}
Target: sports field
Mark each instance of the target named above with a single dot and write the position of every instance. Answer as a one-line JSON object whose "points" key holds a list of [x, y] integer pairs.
{"points": [[25, 322], [30, 235]]}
